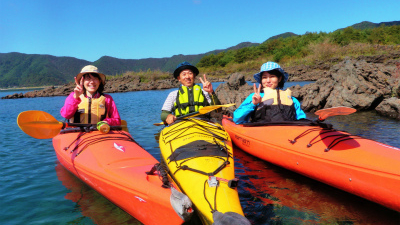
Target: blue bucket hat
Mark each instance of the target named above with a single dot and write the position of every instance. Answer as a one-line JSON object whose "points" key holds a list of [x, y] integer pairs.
{"points": [[183, 66], [268, 66]]}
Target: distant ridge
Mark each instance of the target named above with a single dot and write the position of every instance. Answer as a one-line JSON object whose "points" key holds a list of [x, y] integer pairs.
{"points": [[28, 70], [368, 25], [284, 35]]}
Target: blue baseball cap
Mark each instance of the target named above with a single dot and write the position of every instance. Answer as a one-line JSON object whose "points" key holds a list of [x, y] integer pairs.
{"points": [[183, 66], [268, 66]]}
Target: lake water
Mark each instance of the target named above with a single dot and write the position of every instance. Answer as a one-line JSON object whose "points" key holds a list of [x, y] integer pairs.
{"points": [[36, 189]]}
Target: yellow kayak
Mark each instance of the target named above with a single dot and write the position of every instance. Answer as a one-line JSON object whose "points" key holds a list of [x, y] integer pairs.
{"points": [[198, 154]]}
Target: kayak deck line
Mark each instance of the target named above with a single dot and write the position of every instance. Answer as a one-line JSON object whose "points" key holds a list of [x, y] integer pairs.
{"points": [[120, 176], [199, 156], [303, 153], [339, 137], [352, 163], [181, 129]]}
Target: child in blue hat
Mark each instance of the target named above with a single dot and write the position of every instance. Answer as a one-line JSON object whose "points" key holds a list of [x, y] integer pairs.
{"points": [[269, 102]]}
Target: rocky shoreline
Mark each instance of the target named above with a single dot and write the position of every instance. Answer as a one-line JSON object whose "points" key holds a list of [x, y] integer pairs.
{"points": [[364, 83]]}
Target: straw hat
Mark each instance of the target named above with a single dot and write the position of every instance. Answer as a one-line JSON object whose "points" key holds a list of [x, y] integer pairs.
{"points": [[91, 69]]}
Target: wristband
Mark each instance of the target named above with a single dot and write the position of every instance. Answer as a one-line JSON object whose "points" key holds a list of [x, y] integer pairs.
{"points": [[101, 123]]}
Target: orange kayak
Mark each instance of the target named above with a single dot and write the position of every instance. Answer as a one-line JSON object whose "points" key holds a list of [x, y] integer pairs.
{"points": [[354, 164], [116, 166]]}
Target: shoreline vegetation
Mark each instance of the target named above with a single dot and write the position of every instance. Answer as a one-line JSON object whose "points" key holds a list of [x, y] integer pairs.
{"points": [[307, 51], [28, 88], [310, 50], [350, 58]]}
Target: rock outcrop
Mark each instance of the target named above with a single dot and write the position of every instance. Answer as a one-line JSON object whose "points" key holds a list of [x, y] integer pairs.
{"points": [[364, 83], [358, 83], [118, 84], [354, 83]]}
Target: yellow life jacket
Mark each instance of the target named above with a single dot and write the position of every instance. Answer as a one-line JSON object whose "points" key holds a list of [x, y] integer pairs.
{"points": [[90, 110], [271, 97], [276, 105], [189, 100]]}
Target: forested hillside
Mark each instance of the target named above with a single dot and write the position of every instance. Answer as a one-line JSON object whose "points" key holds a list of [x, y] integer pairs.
{"points": [[307, 49], [23, 70], [27, 70]]}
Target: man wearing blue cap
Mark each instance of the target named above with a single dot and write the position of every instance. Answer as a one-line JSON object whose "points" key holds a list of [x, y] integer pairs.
{"points": [[271, 103], [190, 97]]}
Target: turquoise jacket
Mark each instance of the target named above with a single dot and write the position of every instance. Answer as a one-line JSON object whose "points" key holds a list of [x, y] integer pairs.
{"points": [[243, 113]]}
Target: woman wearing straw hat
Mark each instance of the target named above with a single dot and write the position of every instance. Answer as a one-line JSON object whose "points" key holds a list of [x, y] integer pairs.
{"points": [[87, 103], [271, 103]]}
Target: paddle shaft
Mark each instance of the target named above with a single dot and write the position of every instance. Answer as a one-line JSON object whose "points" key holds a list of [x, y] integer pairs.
{"points": [[203, 110]]}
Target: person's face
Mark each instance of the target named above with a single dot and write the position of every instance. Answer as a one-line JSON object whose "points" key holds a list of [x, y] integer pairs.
{"points": [[91, 83], [186, 77], [270, 80]]}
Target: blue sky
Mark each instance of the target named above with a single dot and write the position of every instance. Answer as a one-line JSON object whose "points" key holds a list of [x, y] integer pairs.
{"points": [[136, 29]]}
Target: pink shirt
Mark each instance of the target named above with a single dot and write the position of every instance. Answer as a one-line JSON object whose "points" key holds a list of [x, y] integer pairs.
{"points": [[71, 105]]}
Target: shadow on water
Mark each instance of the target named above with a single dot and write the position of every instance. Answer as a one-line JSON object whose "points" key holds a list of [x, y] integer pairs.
{"points": [[269, 194], [90, 203], [273, 195]]}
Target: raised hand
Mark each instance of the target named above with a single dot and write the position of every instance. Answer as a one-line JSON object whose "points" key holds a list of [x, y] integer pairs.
{"points": [[78, 90], [207, 86], [256, 97]]}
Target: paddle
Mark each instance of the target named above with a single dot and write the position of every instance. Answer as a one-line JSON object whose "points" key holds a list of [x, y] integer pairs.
{"points": [[203, 110], [42, 125], [323, 114]]}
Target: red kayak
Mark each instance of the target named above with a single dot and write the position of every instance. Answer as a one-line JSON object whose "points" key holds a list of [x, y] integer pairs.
{"points": [[354, 164], [118, 168]]}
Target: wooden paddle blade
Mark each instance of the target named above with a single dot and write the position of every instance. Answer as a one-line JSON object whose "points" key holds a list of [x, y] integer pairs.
{"points": [[158, 124], [39, 124], [323, 114], [124, 125], [210, 108]]}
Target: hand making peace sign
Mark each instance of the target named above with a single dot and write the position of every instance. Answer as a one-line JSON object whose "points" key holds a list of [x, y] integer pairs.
{"points": [[78, 90], [256, 97], [207, 86]]}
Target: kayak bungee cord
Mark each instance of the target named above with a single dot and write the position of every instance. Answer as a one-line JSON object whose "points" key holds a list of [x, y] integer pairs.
{"points": [[216, 133], [324, 128], [212, 174], [338, 138], [97, 139], [185, 167], [196, 125], [304, 134], [215, 198]]}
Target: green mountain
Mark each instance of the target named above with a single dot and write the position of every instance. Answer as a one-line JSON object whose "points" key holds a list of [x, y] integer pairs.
{"points": [[284, 35], [368, 25], [29, 70], [113, 66], [23, 70]]}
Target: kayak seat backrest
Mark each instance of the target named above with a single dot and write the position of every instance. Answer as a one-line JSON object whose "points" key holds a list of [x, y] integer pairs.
{"points": [[197, 149]]}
